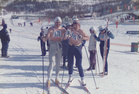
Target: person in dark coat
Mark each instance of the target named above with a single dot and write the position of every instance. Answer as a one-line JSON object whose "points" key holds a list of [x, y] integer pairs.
{"points": [[43, 49], [5, 39], [65, 45], [24, 23]]}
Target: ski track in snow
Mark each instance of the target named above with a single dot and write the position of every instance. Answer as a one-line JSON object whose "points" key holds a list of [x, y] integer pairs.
{"points": [[21, 73]]}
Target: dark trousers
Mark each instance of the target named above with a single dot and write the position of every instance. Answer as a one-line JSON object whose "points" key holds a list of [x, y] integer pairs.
{"points": [[5, 45], [65, 47], [106, 53], [48, 45], [43, 49], [75, 51], [92, 59]]}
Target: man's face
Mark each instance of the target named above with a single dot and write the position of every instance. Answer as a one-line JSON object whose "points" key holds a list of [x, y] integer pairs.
{"points": [[57, 24], [92, 31], [76, 25]]}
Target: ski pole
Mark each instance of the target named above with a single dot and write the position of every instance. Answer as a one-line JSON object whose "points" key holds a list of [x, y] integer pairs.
{"points": [[43, 72], [91, 70], [98, 62], [63, 74], [96, 69]]}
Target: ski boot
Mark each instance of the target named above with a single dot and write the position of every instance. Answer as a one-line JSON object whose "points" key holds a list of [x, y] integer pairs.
{"points": [[90, 68], [70, 79], [48, 83], [57, 81], [83, 82]]}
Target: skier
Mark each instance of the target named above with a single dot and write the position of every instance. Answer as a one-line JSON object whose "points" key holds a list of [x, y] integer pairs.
{"points": [[65, 44], [24, 23], [5, 39], [55, 35], [43, 49], [92, 49], [31, 24], [75, 49], [104, 35]]}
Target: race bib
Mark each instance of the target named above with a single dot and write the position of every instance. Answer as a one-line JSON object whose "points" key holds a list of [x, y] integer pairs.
{"points": [[57, 34], [74, 36]]}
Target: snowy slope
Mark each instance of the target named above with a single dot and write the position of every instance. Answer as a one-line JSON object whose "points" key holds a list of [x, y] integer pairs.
{"points": [[21, 73]]}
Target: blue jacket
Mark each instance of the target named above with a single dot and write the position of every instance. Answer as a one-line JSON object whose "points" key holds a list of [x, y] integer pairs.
{"points": [[103, 36]]}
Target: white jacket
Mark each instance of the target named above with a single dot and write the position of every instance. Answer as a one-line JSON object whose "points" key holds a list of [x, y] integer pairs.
{"points": [[92, 43]]}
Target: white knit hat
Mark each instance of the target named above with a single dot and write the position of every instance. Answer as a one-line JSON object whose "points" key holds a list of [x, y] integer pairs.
{"points": [[76, 21], [58, 19], [101, 28], [92, 29]]}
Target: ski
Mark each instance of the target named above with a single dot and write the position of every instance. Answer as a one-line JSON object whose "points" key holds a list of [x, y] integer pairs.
{"points": [[60, 87], [68, 84], [84, 87], [105, 50]]}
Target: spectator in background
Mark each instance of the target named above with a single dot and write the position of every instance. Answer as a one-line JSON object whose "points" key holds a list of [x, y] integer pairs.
{"points": [[24, 23], [5, 39], [104, 36], [31, 24], [43, 49], [65, 44], [92, 49]]}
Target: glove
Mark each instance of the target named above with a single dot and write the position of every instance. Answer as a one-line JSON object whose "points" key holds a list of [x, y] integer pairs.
{"points": [[106, 28], [95, 36], [38, 38], [79, 36], [108, 32]]}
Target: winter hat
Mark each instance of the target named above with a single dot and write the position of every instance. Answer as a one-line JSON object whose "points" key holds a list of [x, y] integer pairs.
{"points": [[5, 26], [68, 24], [76, 21], [46, 27], [42, 28], [58, 19], [101, 28], [92, 29]]}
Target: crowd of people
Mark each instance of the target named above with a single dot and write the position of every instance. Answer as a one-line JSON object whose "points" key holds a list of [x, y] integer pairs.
{"points": [[67, 42]]}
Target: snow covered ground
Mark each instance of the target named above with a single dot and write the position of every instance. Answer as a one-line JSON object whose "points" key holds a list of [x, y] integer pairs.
{"points": [[21, 73]]}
